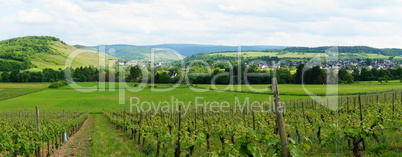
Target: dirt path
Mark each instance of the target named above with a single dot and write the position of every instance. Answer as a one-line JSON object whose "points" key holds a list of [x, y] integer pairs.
{"points": [[80, 144], [98, 137]]}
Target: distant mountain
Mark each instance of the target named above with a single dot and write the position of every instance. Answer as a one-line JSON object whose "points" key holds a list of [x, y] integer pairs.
{"points": [[141, 53], [170, 51], [191, 49], [42, 52]]}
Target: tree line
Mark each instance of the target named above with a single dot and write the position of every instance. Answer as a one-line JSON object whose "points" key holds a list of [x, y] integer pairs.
{"points": [[219, 74], [347, 49]]}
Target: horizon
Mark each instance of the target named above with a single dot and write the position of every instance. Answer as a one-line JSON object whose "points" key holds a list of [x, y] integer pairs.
{"points": [[156, 44]]}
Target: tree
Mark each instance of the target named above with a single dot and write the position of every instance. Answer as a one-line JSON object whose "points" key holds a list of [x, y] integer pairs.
{"points": [[135, 73], [299, 74], [37, 77], [356, 73], [283, 76], [341, 74], [386, 78], [348, 78], [5, 77], [317, 75], [24, 76], [307, 77], [383, 79], [52, 75], [162, 78], [13, 76], [366, 75], [368, 61]]}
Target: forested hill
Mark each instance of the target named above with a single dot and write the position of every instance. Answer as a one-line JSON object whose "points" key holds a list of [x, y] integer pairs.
{"points": [[19, 48], [41, 52], [15, 53], [347, 49]]}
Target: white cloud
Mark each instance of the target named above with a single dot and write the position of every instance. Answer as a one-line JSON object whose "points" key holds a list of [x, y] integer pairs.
{"points": [[34, 16], [270, 22]]}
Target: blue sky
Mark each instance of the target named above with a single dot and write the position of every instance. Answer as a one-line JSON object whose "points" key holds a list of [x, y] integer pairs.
{"points": [[225, 22]]}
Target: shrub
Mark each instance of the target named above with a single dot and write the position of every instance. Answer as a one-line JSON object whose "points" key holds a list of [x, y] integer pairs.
{"points": [[58, 84]]}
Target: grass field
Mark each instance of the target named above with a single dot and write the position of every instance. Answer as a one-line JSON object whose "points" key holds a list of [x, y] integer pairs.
{"points": [[30, 95], [70, 99], [298, 90], [11, 90]]}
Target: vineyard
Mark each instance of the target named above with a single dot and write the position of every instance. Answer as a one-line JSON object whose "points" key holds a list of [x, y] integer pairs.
{"points": [[348, 125], [31, 132], [360, 126]]}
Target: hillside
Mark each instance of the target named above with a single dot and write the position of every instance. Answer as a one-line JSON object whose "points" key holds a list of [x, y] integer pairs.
{"points": [[169, 51], [141, 53], [191, 49], [348, 49], [39, 52], [345, 52]]}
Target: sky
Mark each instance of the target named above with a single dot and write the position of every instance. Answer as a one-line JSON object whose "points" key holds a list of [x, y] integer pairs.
{"points": [[376, 23]]}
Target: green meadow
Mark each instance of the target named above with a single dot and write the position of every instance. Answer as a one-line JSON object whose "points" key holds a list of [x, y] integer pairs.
{"points": [[364, 87], [11, 90], [91, 97]]}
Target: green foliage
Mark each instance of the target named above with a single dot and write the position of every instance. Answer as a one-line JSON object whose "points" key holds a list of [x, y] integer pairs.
{"points": [[20, 135], [314, 75], [148, 149], [5, 77], [379, 149], [9, 65], [58, 84], [19, 49], [81, 47], [135, 74], [311, 131]]}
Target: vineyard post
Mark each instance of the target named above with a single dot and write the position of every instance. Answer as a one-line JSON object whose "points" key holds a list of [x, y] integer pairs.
{"points": [[279, 118], [372, 99], [252, 112], [124, 119], [195, 119], [139, 126], [360, 109], [38, 128], [347, 104], [312, 104], [64, 119], [361, 119], [177, 151], [26, 114], [393, 102], [303, 109]]}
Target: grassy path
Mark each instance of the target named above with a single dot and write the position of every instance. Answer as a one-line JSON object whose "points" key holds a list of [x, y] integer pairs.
{"points": [[108, 141], [97, 137]]}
